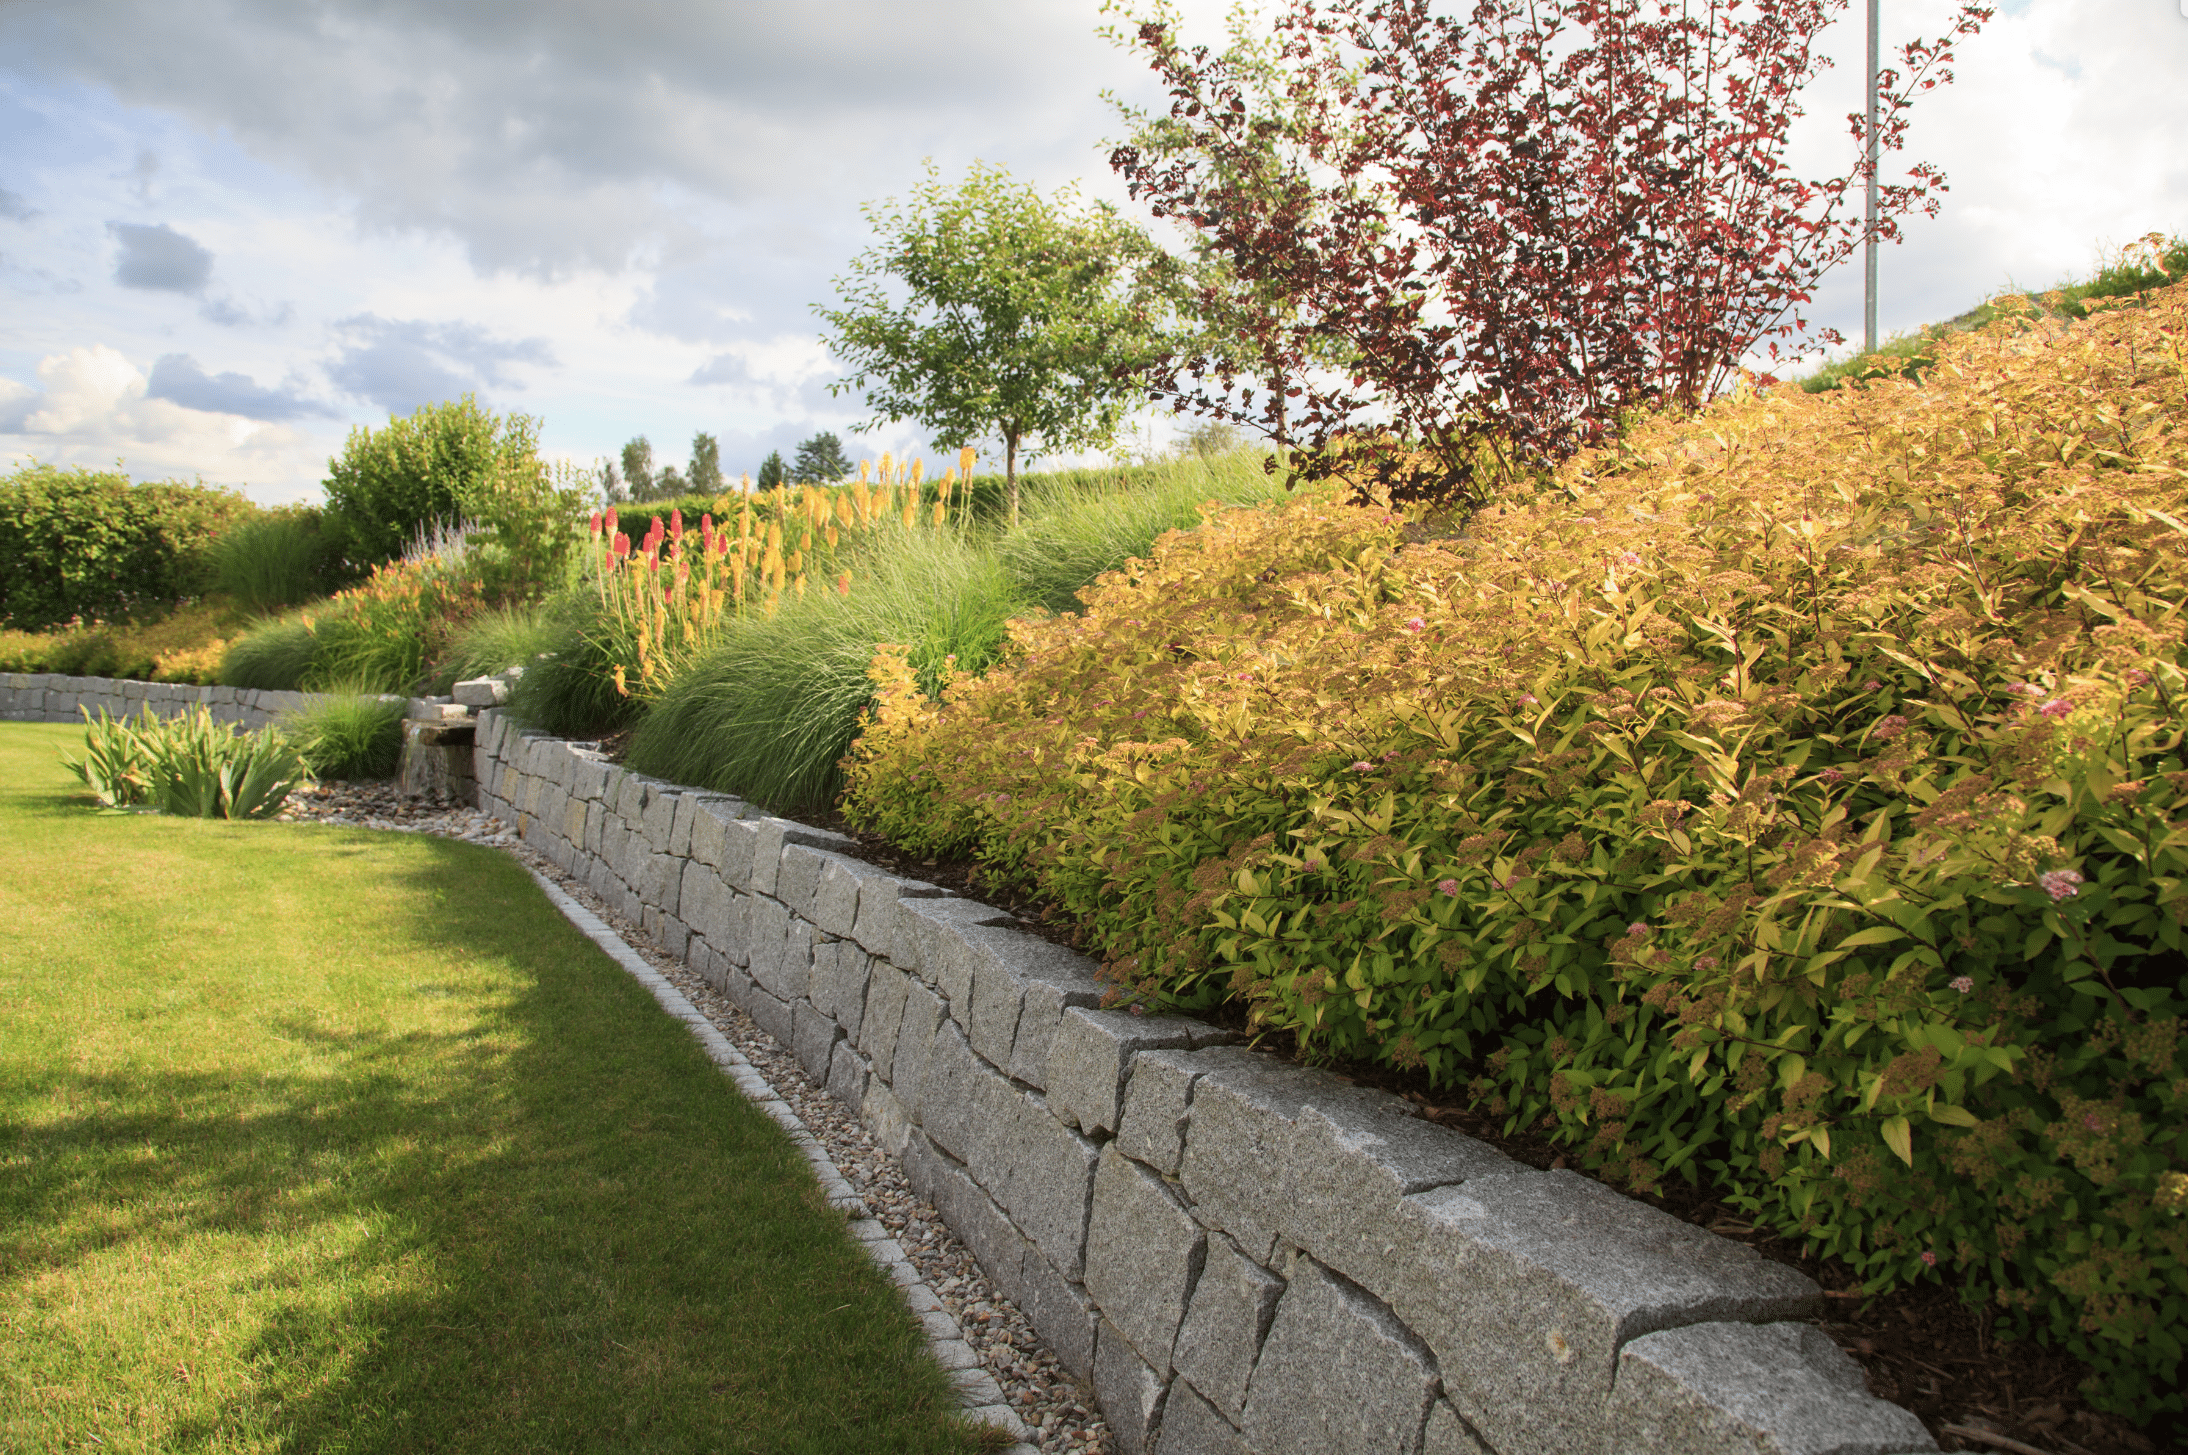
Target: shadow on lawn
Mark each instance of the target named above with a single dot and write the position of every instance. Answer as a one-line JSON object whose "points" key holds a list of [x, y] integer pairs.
{"points": [[579, 1237]]}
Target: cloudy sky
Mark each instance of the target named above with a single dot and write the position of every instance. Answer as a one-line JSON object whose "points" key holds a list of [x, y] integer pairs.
{"points": [[232, 229]]}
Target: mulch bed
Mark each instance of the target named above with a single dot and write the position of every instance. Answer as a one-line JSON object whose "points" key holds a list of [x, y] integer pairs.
{"points": [[1922, 1348]]}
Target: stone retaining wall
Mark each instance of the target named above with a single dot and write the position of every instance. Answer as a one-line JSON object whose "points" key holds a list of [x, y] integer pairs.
{"points": [[52, 697], [1240, 1254]]}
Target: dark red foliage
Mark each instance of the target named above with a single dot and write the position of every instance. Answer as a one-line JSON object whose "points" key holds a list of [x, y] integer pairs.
{"points": [[1519, 222]]}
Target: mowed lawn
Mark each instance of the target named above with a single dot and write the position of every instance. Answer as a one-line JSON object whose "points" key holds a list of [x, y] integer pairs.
{"points": [[325, 1140]]}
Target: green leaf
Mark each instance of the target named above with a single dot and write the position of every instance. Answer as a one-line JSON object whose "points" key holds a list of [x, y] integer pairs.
{"points": [[1954, 1116], [1899, 1136]]}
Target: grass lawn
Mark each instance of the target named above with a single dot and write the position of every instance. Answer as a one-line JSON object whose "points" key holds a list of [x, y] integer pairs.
{"points": [[325, 1140]]}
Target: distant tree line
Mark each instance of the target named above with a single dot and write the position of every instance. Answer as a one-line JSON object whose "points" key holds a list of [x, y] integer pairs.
{"points": [[636, 477]]}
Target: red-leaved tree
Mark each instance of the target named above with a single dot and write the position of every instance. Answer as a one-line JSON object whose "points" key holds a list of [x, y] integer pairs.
{"points": [[1513, 225]]}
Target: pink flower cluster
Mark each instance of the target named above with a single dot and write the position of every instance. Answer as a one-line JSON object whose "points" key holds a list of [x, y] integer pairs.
{"points": [[2059, 883]]}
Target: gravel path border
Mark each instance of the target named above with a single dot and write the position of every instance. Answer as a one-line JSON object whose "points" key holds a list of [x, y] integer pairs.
{"points": [[1005, 1374]]}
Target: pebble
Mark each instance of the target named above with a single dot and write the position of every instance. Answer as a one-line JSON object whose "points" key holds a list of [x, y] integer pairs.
{"points": [[1058, 1408]]}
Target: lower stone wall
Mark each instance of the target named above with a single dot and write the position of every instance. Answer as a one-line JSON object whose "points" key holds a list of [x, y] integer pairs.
{"points": [[52, 697], [1240, 1254]]}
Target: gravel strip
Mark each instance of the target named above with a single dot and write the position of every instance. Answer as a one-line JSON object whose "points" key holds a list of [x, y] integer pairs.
{"points": [[1058, 1410]]}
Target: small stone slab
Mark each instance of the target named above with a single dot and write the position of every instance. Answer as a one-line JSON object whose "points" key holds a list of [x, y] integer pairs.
{"points": [[1143, 1255], [1191, 1426], [1740, 1389], [1090, 1053], [1340, 1375], [480, 692], [1129, 1390], [1220, 1340]]}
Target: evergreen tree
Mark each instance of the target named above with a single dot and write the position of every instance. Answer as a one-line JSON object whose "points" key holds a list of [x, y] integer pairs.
{"points": [[706, 465], [821, 460], [773, 471]]}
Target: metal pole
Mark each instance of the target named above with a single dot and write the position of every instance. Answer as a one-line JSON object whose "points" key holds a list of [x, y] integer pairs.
{"points": [[1869, 259]]}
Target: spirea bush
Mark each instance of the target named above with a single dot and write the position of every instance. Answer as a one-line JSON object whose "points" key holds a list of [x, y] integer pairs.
{"points": [[1793, 795]]}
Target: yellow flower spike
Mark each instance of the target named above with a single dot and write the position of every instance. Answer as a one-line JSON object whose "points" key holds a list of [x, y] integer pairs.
{"points": [[965, 457], [801, 586], [919, 469], [865, 467], [941, 511], [887, 462], [910, 507], [831, 536]]}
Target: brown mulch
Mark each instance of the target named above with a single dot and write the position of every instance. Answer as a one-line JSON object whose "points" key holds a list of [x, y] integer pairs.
{"points": [[1922, 1348]]}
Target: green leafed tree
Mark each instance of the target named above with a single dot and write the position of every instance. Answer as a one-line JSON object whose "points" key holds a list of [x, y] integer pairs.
{"points": [[989, 312], [773, 471], [706, 465], [444, 462], [638, 468], [820, 460]]}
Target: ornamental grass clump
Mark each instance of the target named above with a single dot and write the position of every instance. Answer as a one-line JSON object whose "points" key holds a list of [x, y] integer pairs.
{"points": [[1793, 796], [188, 765]]}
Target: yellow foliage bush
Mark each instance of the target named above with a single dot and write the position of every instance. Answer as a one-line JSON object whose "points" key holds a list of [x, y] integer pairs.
{"points": [[1793, 794]]}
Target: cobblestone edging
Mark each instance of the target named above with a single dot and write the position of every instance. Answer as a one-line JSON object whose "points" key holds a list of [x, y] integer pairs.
{"points": [[1241, 1255], [52, 697], [980, 1395]]}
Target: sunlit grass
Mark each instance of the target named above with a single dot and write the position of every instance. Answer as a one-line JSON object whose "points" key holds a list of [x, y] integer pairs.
{"points": [[314, 1139]]}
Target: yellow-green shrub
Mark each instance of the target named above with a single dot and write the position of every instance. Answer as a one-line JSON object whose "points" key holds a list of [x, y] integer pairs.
{"points": [[1795, 794]]}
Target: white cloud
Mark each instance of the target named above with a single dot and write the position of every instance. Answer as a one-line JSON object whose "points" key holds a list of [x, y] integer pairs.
{"points": [[95, 405]]}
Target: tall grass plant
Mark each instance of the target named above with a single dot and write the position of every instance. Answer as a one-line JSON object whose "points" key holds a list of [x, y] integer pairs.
{"points": [[771, 706], [349, 735]]}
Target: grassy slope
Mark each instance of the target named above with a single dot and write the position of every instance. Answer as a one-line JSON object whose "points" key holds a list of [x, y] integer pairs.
{"points": [[319, 1139]]}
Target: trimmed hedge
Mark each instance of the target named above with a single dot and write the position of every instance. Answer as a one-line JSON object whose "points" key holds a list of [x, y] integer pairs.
{"points": [[1795, 795], [91, 544]]}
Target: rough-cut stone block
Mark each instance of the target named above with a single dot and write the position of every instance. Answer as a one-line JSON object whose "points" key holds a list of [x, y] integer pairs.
{"points": [[793, 975], [958, 1103], [1090, 1054], [1447, 1434], [1240, 1127], [658, 819], [1045, 997], [630, 799], [886, 987], [771, 1015], [660, 880], [1061, 1312], [1225, 1325], [1130, 1392], [925, 936], [993, 962], [480, 692], [798, 877], [769, 837], [885, 1116], [839, 984], [1157, 1100], [875, 925], [1736, 1389], [1143, 1255], [970, 1213], [1339, 1375], [1192, 1426], [707, 963], [767, 926], [1526, 1286], [914, 1045], [573, 822], [689, 810], [702, 900], [1350, 1163], [1042, 1171], [836, 896], [589, 778], [706, 828], [813, 1040], [740, 840], [847, 1072]]}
